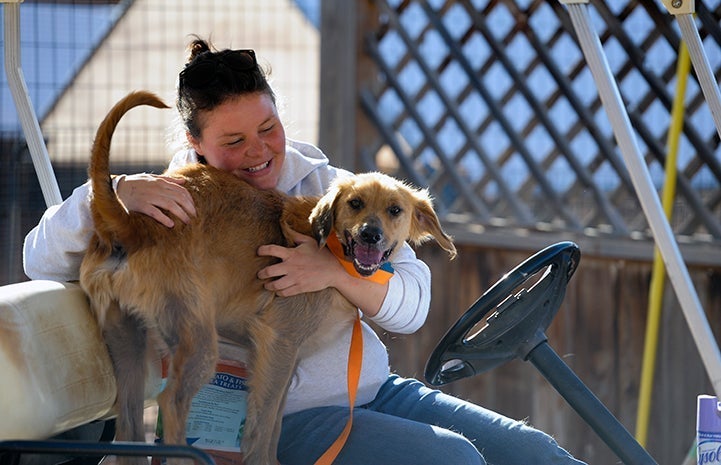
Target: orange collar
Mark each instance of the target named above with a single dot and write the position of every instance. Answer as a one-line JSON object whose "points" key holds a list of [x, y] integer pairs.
{"points": [[381, 276]]}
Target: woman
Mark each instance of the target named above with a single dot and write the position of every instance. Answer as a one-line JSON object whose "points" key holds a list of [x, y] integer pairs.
{"points": [[231, 122]]}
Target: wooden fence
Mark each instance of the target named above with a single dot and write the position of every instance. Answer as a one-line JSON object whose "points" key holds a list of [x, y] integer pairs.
{"points": [[490, 105], [599, 332]]}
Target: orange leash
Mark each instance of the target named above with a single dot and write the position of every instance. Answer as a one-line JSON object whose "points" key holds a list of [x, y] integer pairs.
{"points": [[355, 353], [355, 360]]}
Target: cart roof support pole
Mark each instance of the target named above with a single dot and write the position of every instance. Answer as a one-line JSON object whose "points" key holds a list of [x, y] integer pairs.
{"points": [[684, 16], [665, 240], [26, 113]]}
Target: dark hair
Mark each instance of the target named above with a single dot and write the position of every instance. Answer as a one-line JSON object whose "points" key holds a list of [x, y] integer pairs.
{"points": [[211, 77]]}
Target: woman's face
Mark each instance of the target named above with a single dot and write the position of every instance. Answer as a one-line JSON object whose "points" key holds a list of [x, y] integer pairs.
{"points": [[245, 137]]}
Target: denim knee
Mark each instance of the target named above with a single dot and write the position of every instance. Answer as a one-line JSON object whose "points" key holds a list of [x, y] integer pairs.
{"points": [[452, 447]]}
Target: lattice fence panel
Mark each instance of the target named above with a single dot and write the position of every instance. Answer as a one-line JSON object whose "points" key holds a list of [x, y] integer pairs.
{"points": [[492, 106]]}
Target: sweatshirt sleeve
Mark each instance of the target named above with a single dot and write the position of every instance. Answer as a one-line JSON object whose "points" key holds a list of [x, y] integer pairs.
{"points": [[55, 248], [406, 305]]}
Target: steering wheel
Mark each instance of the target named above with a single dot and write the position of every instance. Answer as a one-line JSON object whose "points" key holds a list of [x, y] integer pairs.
{"points": [[476, 343]]}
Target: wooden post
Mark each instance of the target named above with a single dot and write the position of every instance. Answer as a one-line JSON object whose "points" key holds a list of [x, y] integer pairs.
{"points": [[337, 81], [343, 69]]}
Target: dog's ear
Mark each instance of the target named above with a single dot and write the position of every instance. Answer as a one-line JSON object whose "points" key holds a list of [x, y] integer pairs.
{"points": [[425, 223], [323, 216]]}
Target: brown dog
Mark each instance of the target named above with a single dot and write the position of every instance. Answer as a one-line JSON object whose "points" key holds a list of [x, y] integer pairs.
{"points": [[190, 283]]}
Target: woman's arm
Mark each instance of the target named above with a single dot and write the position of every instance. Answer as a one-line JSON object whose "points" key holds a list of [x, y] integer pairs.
{"points": [[401, 305], [55, 248], [408, 300]]}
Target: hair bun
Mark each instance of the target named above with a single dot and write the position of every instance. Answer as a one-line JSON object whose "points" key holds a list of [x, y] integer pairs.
{"points": [[196, 47]]}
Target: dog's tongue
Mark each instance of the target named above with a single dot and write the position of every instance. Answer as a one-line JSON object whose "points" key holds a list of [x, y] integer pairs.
{"points": [[368, 255]]}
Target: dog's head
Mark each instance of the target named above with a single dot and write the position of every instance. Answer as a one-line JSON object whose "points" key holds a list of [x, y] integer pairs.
{"points": [[373, 214]]}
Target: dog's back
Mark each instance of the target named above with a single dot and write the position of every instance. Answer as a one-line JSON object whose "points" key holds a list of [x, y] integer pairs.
{"points": [[233, 220]]}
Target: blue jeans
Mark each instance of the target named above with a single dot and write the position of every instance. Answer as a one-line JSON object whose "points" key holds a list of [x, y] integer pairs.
{"points": [[408, 423]]}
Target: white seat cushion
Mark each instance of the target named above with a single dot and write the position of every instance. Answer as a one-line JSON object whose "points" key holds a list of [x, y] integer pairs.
{"points": [[55, 371]]}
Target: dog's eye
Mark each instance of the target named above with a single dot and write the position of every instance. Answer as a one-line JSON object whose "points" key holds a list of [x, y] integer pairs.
{"points": [[355, 204], [395, 210]]}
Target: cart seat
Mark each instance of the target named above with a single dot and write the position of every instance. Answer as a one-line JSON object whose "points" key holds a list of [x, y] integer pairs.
{"points": [[55, 369]]}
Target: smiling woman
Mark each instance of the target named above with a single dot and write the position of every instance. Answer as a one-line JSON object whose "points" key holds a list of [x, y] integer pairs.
{"points": [[241, 134], [233, 124], [250, 143]]}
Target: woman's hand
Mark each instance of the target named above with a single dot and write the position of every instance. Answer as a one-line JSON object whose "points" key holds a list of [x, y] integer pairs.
{"points": [[307, 268], [156, 196], [303, 268]]}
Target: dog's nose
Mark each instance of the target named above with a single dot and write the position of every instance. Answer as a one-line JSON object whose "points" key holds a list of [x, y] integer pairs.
{"points": [[371, 234]]}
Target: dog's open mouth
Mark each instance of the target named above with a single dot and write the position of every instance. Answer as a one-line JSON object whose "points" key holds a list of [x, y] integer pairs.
{"points": [[366, 258]]}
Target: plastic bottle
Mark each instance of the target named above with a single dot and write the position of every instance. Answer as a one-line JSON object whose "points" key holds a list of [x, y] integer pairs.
{"points": [[708, 430]]}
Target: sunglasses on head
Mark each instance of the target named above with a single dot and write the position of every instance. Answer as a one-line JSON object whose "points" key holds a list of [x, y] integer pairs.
{"points": [[206, 68]]}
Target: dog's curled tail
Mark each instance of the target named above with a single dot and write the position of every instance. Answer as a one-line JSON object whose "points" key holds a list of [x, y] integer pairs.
{"points": [[109, 215]]}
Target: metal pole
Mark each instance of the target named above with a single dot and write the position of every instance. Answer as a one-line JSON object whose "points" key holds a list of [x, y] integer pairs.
{"points": [[684, 15], [677, 271], [99, 449], [587, 405], [26, 113]]}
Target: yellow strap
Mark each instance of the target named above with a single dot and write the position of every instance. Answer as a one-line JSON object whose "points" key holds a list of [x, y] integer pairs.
{"points": [[355, 361], [658, 273]]}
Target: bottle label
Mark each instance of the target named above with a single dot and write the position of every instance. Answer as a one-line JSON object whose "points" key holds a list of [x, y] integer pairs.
{"points": [[708, 448]]}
